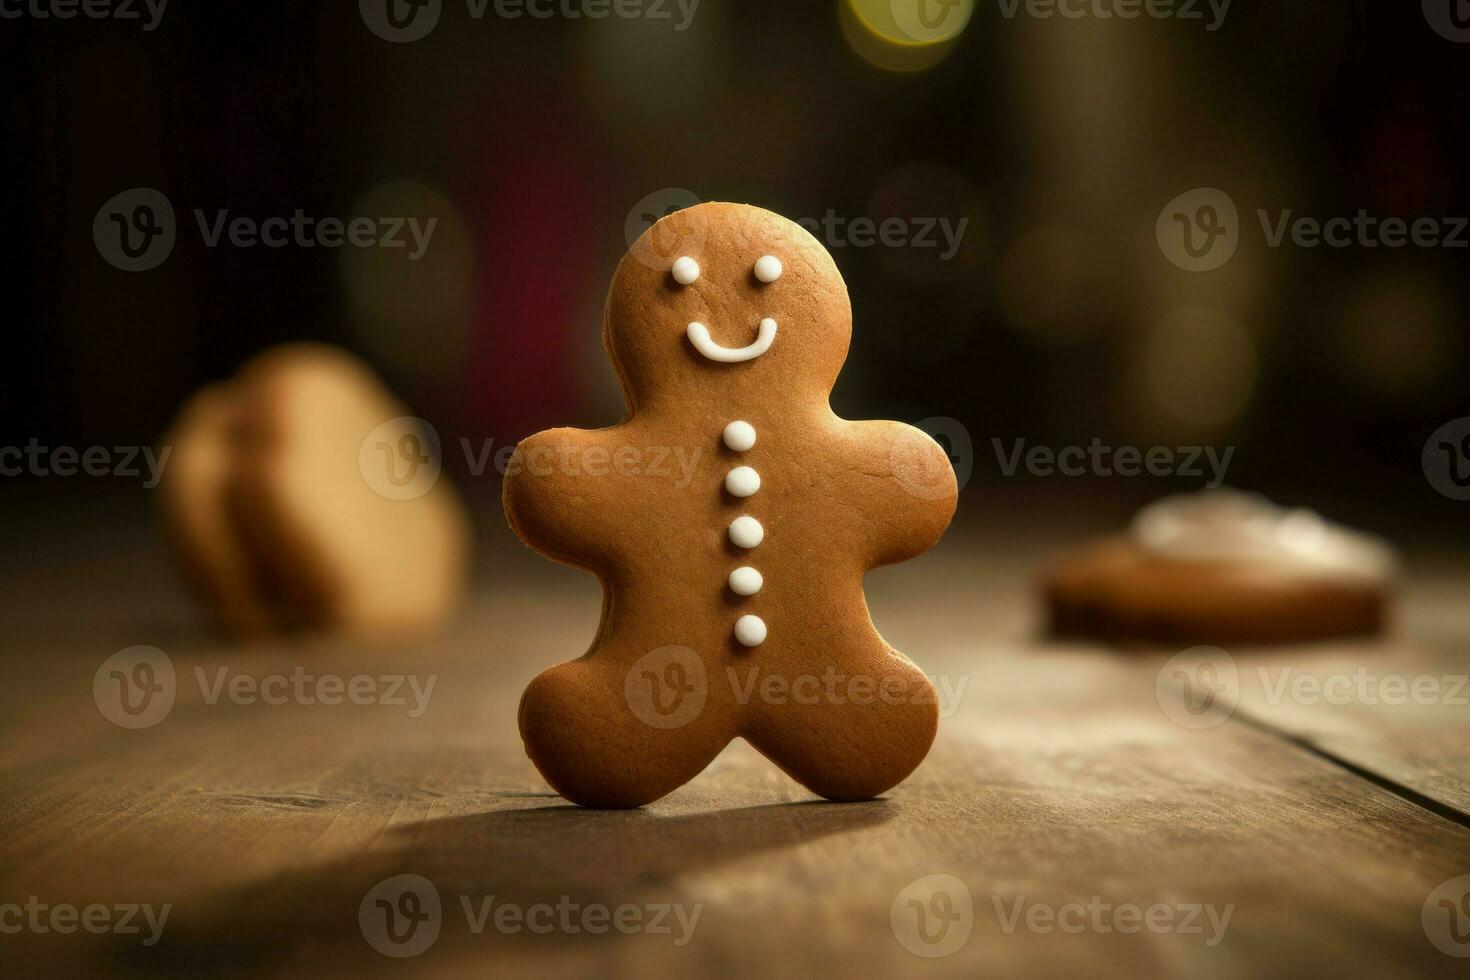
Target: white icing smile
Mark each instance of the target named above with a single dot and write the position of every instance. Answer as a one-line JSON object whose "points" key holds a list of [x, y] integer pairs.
{"points": [[700, 338]]}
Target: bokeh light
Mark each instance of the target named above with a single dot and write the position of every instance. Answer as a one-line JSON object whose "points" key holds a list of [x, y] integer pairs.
{"points": [[1048, 283], [412, 311], [904, 35], [1200, 366], [1396, 336]]}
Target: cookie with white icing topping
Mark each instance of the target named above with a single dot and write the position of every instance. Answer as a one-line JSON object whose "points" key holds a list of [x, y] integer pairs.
{"points": [[733, 587], [1223, 567]]}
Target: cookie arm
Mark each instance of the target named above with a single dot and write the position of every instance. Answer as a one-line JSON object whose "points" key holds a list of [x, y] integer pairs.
{"points": [[556, 502], [906, 489]]}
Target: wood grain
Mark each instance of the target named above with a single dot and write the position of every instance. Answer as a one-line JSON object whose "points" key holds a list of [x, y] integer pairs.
{"points": [[1056, 779]]}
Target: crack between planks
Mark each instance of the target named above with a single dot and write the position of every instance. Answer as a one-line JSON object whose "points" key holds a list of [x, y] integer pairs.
{"points": [[1440, 809]]}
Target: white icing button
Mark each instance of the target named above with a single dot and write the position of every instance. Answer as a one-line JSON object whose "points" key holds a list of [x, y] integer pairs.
{"points": [[742, 481], [750, 631], [768, 268], [686, 270], [746, 532], [740, 436], [746, 581]]}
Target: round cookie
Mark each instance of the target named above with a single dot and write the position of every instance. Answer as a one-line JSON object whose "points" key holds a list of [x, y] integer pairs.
{"points": [[737, 574], [283, 512], [1223, 568]]}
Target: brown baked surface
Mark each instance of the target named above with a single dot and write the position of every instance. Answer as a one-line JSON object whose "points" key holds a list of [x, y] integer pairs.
{"points": [[837, 498], [1115, 590]]}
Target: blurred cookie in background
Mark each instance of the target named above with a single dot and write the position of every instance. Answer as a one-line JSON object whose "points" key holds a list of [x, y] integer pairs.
{"points": [[194, 491], [302, 495], [1223, 567]]}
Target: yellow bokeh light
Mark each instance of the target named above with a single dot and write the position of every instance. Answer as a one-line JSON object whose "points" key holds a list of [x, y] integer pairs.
{"points": [[904, 35], [1200, 366]]}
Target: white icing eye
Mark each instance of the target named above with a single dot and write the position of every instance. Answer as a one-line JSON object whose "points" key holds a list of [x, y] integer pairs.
{"points": [[768, 268], [750, 631], [686, 270]]}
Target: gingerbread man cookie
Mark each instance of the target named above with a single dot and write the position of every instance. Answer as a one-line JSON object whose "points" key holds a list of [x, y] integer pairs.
{"points": [[730, 517]]}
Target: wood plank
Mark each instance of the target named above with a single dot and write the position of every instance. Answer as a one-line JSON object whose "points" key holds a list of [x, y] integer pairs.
{"points": [[1398, 709]]}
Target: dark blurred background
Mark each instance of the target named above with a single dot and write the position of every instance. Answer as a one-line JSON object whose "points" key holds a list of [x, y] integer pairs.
{"points": [[1057, 318]]}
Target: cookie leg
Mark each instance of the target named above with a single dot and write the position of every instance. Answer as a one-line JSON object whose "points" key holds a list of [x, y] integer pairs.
{"points": [[616, 735], [848, 734]]}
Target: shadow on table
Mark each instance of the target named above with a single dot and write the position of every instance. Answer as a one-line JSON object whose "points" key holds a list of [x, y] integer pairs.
{"points": [[522, 857]]}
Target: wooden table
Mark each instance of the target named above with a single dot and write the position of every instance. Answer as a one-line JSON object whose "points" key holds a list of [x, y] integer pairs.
{"points": [[1086, 831]]}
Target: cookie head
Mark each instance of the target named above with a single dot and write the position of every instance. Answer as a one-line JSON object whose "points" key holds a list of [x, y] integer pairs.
{"points": [[727, 299]]}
